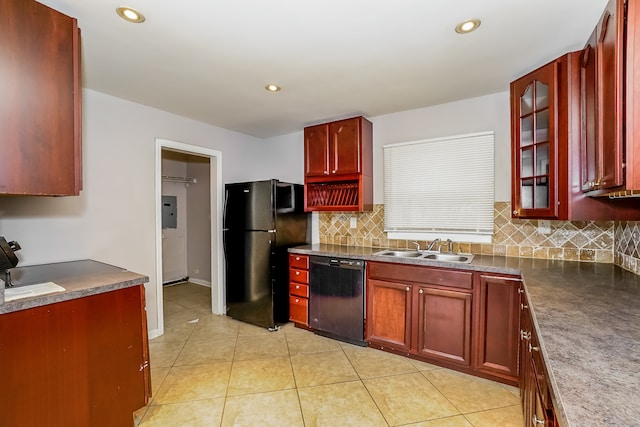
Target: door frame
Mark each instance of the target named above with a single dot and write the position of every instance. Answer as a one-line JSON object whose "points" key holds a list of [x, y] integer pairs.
{"points": [[216, 206]]}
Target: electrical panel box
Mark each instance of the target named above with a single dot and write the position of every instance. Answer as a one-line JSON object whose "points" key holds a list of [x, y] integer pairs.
{"points": [[169, 211]]}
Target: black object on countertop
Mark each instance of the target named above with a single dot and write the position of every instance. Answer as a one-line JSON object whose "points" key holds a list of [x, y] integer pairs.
{"points": [[8, 258]]}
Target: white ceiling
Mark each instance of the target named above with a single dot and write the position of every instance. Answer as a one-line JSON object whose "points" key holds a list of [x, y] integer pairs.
{"points": [[210, 59]]}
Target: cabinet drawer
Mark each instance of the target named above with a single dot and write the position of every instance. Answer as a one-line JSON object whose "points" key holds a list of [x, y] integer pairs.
{"points": [[299, 310], [423, 275], [299, 289], [299, 261], [300, 276]]}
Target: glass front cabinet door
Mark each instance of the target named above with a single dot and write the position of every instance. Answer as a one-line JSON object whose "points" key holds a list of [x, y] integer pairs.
{"points": [[534, 141]]}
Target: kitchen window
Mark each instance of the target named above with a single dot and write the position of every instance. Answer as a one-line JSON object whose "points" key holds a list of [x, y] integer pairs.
{"points": [[441, 187]]}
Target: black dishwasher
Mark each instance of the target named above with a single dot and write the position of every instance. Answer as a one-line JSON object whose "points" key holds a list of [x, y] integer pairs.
{"points": [[336, 300]]}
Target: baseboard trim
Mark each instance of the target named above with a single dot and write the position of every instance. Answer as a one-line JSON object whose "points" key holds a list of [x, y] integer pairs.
{"points": [[200, 282]]}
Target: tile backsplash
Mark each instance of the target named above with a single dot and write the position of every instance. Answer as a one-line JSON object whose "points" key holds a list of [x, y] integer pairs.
{"points": [[627, 245], [569, 240]]}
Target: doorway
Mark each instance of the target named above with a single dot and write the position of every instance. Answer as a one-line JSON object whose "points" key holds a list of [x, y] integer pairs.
{"points": [[183, 170]]}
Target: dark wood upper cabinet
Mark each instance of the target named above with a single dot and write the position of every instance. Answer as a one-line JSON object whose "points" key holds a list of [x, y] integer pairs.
{"points": [[632, 97], [610, 150], [316, 150], [555, 143], [345, 146], [602, 98], [534, 123], [589, 117], [40, 107], [338, 168]]}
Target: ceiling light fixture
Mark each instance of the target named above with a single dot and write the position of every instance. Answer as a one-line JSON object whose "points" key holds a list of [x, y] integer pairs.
{"points": [[467, 26], [130, 15], [272, 88]]}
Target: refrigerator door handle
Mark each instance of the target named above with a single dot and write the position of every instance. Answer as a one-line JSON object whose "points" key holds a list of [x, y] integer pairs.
{"points": [[224, 209]]}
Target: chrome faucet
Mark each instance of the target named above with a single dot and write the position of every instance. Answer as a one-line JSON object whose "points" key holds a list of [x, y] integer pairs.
{"points": [[450, 242], [417, 246], [432, 244]]}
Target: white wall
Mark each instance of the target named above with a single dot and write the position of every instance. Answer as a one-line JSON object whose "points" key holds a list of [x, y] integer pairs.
{"points": [[486, 113], [113, 219]]}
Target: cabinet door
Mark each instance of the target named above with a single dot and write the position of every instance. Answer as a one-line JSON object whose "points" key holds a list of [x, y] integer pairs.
{"points": [[82, 362], [534, 144], [444, 325], [498, 326], [345, 147], [589, 117], [46, 366], [40, 102], [610, 65], [316, 150], [389, 314]]}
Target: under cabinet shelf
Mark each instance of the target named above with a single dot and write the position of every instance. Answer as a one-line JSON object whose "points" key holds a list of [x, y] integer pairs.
{"points": [[331, 194]]}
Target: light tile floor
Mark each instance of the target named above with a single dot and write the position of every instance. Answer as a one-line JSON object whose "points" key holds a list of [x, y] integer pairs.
{"points": [[210, 370]]}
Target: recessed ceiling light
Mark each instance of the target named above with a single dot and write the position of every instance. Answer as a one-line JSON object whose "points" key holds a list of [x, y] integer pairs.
{"points": [[272, 88], [467, 26], [130, 15]]}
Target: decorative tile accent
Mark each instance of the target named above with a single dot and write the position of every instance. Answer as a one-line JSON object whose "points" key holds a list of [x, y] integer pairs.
{"points": [[591, 241], [627, 243]]}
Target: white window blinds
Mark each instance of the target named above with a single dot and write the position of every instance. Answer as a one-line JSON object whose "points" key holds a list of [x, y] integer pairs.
{"points": [[440, 186]]}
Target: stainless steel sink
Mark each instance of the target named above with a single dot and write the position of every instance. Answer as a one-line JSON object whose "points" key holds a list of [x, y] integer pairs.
{"points": [[431, 256], [403, 254], [465, 258]]}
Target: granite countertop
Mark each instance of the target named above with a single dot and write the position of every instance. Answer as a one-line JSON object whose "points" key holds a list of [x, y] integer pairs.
{"points": [[78, 278], [587, 316]]}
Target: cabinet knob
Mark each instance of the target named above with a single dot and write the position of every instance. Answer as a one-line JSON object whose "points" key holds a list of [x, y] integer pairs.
{"points": [[297, 286], [536, 421], [532, 348], [333, 171], [421, 291], [297, 299], [520, 290], [515, 212], [326, 172], [297, 273], [407, 289], [297, 258], [523, 306]]}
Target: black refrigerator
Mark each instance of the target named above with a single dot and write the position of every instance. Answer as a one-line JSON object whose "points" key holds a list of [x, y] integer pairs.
{"points": [[262, 219]]}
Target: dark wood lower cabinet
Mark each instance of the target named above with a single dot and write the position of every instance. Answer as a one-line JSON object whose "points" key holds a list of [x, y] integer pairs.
{"points": [[389, 320], [444, 328], [82, 362], [537, 406], [453, 318], [497, 326]]}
